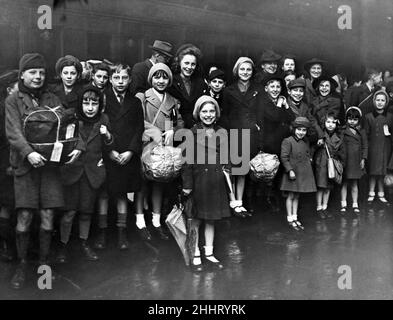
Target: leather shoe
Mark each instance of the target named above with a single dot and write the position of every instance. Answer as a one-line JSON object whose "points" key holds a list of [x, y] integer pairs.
{"points": [[216, 265], [18, 280], [144, 234], [161, 233], [89, 253]]}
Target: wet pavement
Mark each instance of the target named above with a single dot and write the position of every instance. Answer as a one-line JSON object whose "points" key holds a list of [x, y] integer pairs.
{"points": [[263, 257]]}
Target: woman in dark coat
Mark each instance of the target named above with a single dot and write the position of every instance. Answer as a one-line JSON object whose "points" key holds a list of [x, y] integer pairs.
{"points": [[188, 84], [314, 69], [379, 127], [327, 100], [123, 162], [68, 70], [239, 111], [206, 180]]}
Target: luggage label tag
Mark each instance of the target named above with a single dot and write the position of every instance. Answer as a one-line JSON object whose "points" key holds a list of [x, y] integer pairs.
{"points": [[56, 152], [70, 131], [100, 163], [386, 130]]}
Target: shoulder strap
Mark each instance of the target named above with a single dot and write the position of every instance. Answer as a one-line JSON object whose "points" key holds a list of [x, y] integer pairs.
{"points": [[327, 150]]}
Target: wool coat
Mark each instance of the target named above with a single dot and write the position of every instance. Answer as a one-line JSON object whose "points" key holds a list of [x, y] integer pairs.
{"points": [[335, 143], [70, 100], [379, 144], [187, 101], [356, 147], [89, 161], [239, 111], [275, 124], [362, 97], [207, 181], [127, 126], [168, 118], [18, 105], [296, 156], [321, 106], [139, 74]]}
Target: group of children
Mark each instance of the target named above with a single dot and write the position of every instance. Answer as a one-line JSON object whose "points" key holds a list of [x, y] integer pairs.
{"points": [[116, 124], [362, 145]]}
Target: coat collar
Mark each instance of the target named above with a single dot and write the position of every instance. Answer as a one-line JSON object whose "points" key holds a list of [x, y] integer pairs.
{"points": [[166, 105], [253, 91], [114, 103], [348, 132]]}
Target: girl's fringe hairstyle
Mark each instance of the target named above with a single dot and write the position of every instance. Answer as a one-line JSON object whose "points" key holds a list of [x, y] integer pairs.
{"points": [[91, 95], [330, 115]]}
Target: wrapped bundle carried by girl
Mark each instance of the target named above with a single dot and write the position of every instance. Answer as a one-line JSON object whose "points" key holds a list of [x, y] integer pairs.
{"points": [[161, 163]]}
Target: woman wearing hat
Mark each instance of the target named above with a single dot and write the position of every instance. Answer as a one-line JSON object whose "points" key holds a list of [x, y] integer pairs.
{"points": [[379, 128], [240, 104], [327, 100], [314, 69], [68, 70], [298, 177], [188, 84], [162, 119], [275, 119], [205, 182], [37, 185], [268, 65]]}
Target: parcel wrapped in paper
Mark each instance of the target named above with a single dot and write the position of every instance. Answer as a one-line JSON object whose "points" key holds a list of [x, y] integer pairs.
{"points": [[264, 166]]}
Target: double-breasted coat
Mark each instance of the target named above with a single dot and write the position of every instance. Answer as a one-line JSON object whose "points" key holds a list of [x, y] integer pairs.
{"points": [[127, 126], [187, 101], [296, 156], [379, 144], [335, 143], [207, 181], [239, 111], [356, 147], [168, 118]]}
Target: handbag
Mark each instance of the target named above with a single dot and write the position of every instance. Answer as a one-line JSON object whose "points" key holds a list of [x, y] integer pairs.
{"points": [[388, 180], [335, 168]]}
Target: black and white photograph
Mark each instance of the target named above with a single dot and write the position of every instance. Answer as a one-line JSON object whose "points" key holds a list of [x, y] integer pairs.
{"points": [[191, 151]]}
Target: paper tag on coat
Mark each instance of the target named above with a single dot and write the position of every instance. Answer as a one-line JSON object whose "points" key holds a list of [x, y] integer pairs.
{"points": [[56, 152], [70, 131], [386, 130], [100, 163]]}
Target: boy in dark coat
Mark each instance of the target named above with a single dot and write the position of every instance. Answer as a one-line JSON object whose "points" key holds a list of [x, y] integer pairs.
{"points": [[37, 185], [122, 163], [83, 179]]}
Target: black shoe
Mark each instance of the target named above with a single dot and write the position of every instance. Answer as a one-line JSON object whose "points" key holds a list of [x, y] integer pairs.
{"points": [[321, 214], [216, 265], [144, 234], [101, 240], [294, 225], [161, 233], [356, 210], [300, 226], [122, 239], [18, 280], [61, 256], [328, 214], [197, 268], [89, 253], [343, 210], [6, 255]]}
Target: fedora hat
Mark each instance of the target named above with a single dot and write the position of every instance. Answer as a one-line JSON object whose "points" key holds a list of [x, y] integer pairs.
{"points": [[309, 63], [162, 47], [269, 56]]}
